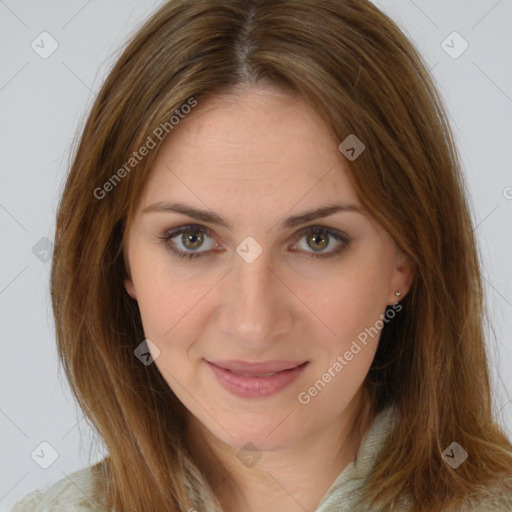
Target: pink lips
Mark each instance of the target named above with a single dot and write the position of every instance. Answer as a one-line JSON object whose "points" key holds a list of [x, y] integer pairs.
{"points": [[256, 379]]}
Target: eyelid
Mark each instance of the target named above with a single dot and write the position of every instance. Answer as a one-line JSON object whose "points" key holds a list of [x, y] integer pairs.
{"points": [[314, 228]]}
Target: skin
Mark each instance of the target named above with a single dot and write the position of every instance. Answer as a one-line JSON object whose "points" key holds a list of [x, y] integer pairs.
{"points": [[256, 157]]}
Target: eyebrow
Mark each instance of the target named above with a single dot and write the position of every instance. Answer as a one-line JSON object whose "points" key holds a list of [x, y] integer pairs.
{"points": [[290, 222]]}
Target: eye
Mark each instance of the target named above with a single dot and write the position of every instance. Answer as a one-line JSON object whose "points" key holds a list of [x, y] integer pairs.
{"points": [[319, 238], [191, 238]]}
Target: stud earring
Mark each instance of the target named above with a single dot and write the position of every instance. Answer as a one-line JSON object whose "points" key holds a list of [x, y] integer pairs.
{"points": [[398, 293]]}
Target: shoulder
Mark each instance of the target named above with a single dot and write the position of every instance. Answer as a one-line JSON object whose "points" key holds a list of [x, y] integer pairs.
{"points": [[493, 498], [73, 493]]}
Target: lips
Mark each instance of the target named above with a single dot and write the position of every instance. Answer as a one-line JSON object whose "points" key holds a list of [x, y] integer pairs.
{"points": [[256, 380], [264, 369]]}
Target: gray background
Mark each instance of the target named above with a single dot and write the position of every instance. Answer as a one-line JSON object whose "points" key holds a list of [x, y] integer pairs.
{"points": [[44, 102]]}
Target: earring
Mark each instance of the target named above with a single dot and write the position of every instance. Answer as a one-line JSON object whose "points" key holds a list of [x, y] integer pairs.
{"points": [[398, 293]]}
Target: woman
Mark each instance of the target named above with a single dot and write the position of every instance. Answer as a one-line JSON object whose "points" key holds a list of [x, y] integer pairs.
{"points": [[266, 288]]}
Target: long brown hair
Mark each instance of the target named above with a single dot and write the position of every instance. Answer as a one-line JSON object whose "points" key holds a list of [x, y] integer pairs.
{"points": [[360, 73]]}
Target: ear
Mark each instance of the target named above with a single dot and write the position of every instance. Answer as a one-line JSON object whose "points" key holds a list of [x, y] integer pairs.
{"points": [[128, 284], [401, 278]]}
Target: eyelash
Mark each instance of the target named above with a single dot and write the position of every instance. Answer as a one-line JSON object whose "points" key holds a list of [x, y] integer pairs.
{"points": [[321, 230]]}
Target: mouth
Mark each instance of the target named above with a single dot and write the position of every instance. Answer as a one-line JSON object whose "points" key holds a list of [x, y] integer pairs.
{"points": [[256, 380]]}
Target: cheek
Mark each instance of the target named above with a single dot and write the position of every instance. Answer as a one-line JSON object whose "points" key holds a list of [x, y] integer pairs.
{"points": [[165, 307], [351, 311], [349, 303], [156, 292], [168, 309], [170, 300]]}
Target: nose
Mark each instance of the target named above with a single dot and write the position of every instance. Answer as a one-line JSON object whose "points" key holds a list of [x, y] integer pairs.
{"points": [[257, 307]]}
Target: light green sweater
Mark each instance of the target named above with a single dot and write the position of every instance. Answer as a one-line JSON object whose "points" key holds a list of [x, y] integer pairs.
{"points": [[75, 492]]}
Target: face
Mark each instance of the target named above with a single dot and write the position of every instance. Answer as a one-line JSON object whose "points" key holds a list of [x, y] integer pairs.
{"points": [[259, 287]]}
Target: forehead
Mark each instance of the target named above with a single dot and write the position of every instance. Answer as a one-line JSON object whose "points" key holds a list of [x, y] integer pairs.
{"points": [[257, 146]]}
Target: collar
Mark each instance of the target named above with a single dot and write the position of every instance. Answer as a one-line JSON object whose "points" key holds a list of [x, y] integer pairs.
{"points": [[343, 492]]}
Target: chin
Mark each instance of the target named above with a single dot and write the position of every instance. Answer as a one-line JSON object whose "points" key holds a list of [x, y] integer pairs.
{"points": [[262, 439]]}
